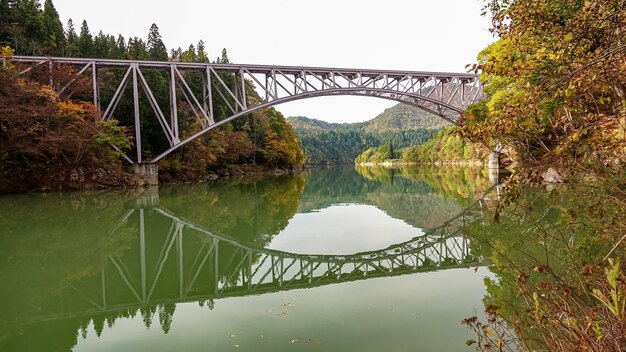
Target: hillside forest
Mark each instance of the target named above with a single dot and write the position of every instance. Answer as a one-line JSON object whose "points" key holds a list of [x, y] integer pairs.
{"points": [[40, 127], [340, 143]]}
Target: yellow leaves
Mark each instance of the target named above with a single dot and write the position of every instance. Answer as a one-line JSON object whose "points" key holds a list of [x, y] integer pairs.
{"points": [[6, 51], [70, 110]]}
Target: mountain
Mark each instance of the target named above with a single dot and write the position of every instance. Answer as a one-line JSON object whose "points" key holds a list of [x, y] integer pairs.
{"points": [[402, 117], [305, 123], [340, 143]]}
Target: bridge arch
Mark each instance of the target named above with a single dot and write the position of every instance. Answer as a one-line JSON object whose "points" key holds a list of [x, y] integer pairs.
{"points": [[411, 99], [444, 94]]}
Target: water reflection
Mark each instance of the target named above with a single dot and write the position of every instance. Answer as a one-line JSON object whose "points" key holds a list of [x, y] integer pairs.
{"points": [[80, 259]]}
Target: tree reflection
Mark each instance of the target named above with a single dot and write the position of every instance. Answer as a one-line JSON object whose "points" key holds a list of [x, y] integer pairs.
{"points": [[110, 256]]}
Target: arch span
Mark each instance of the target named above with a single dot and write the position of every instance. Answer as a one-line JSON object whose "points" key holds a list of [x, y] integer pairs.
{"points": [[247, 88]]}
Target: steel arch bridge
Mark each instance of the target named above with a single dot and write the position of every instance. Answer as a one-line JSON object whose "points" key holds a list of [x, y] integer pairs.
{"points": [[443, 94]]}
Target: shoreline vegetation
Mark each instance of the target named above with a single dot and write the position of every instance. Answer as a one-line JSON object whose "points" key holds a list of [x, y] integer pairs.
{"points": [[56, 141], [556, 100], [445, 148]]}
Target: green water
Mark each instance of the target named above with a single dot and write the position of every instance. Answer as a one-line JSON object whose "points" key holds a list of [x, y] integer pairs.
{"points": [[332, 259]]}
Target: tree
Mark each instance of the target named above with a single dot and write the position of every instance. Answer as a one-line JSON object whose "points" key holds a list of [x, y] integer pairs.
{"points": [[85, 41], [9, 27], [121, 47], [224, 59], [156, 49], [556, 80], [54, 37], [30, 22], [202, 55], [71, 48], [189, 55]]}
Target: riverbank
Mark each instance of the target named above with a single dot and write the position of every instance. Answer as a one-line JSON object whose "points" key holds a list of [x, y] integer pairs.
{"points": [[468, 163], [89, 179]]}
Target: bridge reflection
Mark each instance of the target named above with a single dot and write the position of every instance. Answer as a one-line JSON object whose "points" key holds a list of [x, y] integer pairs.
{"points": [[173, 260], [82, 261]]}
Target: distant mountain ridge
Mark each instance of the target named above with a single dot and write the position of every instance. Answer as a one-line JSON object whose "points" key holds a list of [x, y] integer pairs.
{"points": [[340, 143], [304, 123], [400, 117]]}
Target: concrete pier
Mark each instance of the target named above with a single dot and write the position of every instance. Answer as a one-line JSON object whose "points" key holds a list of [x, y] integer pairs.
{"points": [[494, 161], [148, 172]]}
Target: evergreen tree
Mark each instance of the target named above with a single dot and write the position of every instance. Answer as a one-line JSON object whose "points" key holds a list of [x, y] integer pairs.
{"points": [[137, 49], [30, 21], [8, 22], [54, 37], [71, 39], [100, 48], [156, 49], [176, 54], [189, 55], [224, 59], [202, 55], [85, 41], [121, 47]]}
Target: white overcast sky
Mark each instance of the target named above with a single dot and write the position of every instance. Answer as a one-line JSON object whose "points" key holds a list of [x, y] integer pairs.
{"points": [[418, 35]]}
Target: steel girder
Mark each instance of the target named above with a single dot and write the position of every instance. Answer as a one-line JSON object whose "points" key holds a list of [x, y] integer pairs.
{"points": [[443, 94]]}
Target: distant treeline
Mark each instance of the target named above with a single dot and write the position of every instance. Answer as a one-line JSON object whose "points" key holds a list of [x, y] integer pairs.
{"points": [[343, 146], [446, 145]]}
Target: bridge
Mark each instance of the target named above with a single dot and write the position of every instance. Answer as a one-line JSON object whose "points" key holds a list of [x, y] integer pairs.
{"points": [[203, 265], [253, 87]]}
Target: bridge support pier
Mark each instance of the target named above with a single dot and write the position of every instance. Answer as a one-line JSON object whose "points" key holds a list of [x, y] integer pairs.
{"points": [[148, 172], [494, 161]]}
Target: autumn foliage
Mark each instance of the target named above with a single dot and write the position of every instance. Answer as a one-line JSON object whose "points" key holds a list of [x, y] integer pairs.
{"points": [[42, 136], [556, 81]]}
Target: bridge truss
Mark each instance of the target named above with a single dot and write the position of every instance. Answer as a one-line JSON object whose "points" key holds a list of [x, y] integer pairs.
{"points": [[246, 88], [222, 266]]}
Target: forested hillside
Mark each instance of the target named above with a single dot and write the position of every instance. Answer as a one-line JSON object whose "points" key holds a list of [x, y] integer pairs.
{"points": [[263, 138], [402, 117], [340, 143]]}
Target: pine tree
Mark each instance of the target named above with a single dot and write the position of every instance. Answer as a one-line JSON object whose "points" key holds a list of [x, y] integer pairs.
{"points": [[54, 37], [121, 47], [156, 49], [8, 22], [224, 59], [189, 55], [71, 38], [100, 48], [176, 54], [202, 55], [85, 41], [28, 40]]}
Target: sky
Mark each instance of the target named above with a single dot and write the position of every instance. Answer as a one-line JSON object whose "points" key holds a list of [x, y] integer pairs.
{"points": [[416, 35]]}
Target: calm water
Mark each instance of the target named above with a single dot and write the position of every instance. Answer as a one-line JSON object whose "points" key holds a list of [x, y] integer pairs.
{"points": [[333, 259]]}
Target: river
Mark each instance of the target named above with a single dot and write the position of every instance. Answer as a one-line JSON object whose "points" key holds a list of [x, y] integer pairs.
{"points": [[332, 259]]}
